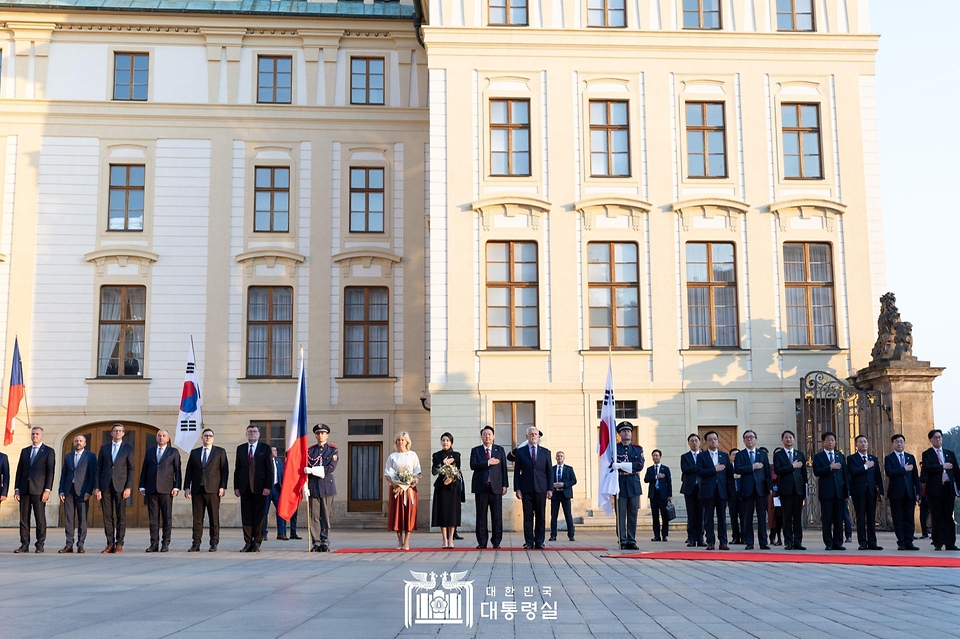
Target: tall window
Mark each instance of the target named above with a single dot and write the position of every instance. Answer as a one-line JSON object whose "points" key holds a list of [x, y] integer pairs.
{"points": [[706, 140], [515, 417], [606, 13], [625, 409], [801, 140], [512, 12], [272, 199], [366, 81], [512, 306], [273, 433], [122, 323], [808, 278], [274, 79], [269, 331], [366, 326], [701, 14], [712, 294], [366, 200], [614, 294], [510, 137], [126, 198], [131, 73], [795, 15], [609, 139]]}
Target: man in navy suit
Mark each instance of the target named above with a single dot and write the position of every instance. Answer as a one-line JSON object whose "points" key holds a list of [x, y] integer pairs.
{"points": [[533, 486], [733, 501], [756, 478], [830, 468], [251, 483], [4, 477], [78, 481], [160, 481], [661, 493], [563, 481], [940, 477], [38, 463], [903, 491], [790, 466], [274, 498], [488, 462], [690, 489], [713, 467], [866, 489], [204, 484], [629, 464], [115, 465]]}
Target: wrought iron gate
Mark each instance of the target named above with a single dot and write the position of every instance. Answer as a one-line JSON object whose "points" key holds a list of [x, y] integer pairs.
{"points": [[829, 404]]}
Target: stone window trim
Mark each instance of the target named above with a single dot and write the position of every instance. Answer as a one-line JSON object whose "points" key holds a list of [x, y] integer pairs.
{"points": [[131, 61], [510, 206], [709, 208], [366, 258], [121, 256], [806, 208], [612, 207], [270, 257]]}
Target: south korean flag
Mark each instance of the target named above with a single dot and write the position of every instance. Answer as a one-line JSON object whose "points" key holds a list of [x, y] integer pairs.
{"points": [[190, 421]]}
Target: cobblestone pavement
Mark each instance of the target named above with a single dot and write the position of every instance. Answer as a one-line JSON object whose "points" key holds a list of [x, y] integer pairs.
{"points": [[287, 592]]}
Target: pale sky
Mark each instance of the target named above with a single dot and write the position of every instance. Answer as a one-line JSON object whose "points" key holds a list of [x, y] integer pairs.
{"points": [[918, 93]]}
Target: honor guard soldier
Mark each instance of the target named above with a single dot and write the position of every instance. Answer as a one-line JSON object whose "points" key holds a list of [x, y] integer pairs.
{"points": [[321, 462], [629, 464]]}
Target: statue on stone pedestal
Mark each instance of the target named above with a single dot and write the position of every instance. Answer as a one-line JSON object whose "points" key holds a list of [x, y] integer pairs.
{"points": [[894, 337]]}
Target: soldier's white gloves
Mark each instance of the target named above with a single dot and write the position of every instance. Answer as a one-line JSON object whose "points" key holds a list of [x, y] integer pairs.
{"points": [[626, 467], [319, 471], [306, 491], [616, 465], [307, 470]]}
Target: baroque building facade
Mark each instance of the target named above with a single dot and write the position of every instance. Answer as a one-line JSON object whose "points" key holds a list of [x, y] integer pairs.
{"points": [[466, 205]]}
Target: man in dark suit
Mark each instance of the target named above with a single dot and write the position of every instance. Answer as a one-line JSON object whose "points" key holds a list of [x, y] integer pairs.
{"points": [[690, 489], [661, 493], [533, 486], [830, 468], [940, 477], [160, 481], [4, 477], [733, 500], [756, 478], [866, 489], [488, 462], [790, 466], [274, 498], [564, 480], [628, 465], [205, 483], [115, 465], [251, 483], [713, 466], [321, 462], [78, 481], [38, 463], [903, 491]]}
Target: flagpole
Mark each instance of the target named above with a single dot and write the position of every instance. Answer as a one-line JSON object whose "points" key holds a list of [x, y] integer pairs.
{"points": [[307, 484], [613, 442], [193, 350], [26, 404]]}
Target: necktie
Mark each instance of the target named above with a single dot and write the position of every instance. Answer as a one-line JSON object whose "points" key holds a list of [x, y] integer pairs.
{"points": [[250, 454], [159, 454], [116, 448], [714, 456], [790, 455], [559, 470], [900, 455], [753, 458], [33, 454], [940, 456], [488, 453], [656, 471], [76, 460], [276, 472], [488, 459], [533, 454], [864, 459], [203, 460]]}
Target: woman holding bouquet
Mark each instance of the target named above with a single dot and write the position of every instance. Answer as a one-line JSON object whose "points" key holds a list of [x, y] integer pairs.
{"points": [[446, 489], [402, 472]]}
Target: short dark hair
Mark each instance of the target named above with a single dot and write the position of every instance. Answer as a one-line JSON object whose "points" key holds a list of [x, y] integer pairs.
{"points": [[657, 450], [207, 430], [934, 432], [777, 450], [763, 448], [488, 427], [859, 437], [752, 432], [253, 426], [448, 436], [732, 450], [707, 434], [828, 433], [896, 437], [788, 431], [692, 435]]}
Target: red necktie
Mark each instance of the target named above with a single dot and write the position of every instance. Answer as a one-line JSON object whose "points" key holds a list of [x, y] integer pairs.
{"points": [[534, 455], [488, 459], [250, 454]]}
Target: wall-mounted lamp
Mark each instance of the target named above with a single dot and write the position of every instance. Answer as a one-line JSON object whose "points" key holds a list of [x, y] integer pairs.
{"points": [[423, 400]]}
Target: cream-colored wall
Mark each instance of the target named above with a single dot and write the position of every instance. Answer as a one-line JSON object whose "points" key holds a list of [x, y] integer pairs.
{"points": [[562, 208], [197, 256]]}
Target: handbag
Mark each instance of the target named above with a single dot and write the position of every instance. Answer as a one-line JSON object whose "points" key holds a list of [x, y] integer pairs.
{"points": [[671, 511]]}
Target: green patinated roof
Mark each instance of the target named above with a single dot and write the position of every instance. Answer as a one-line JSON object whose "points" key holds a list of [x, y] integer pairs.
{"points": [[344, 8]]}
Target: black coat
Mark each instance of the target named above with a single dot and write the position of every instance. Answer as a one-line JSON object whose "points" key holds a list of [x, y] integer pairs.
{"points": [[257, 477], [863, 480], [713, 483], [753, 483], [901, 484], [34, 479], [831, 484], [4, 474], [499, 478], [790, 480], [119, 472], [531, 476], [665, 490], [933, 472], [688, 473], [567, 476], [214, 474], [160, 477]]}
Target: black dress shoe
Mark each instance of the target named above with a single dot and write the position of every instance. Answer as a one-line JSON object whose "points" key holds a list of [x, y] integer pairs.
{"points": [[552, 538], [38, 550], [938, 548], [839, 547], [212, 549], [724, 547], [862, 547], [655, 539], [799, 547], [711, 547], [748, 547], [65, 549], [874, 547], [194, 548], [22, 549], [764, 547], [316, 548], [457, 536], [632, 546], [496, 546], [295, 536], [283, 538], [538, 546], [571, 538], [80, 549], [246, 548], [952, 548], [700, 544], [481, 546], [691, 544], [153, 548], [528, 546], [165, 548], [911, 547]]}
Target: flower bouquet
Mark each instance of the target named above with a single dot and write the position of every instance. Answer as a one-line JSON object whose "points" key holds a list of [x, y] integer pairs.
{"points": [[402, 478], [449, 473]]}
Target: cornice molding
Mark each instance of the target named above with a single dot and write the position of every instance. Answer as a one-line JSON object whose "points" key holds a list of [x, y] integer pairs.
{"points": [[269, 257], [806, 208], [121, 255], [366, 257], [709, 207], [510, 206], [612, 207]]}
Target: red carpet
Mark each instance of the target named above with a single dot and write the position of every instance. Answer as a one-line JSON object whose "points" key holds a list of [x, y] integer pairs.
{"points": [[472, 548], [852, 559]]}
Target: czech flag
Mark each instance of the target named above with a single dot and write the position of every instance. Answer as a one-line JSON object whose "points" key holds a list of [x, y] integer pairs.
{"points": [[607, 447], [16, 393], [291, 491], [190, 419]]}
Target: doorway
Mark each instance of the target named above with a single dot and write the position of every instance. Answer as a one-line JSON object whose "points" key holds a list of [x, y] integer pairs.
{"points": [[727, 437], [366, 483], [141, 437]]}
